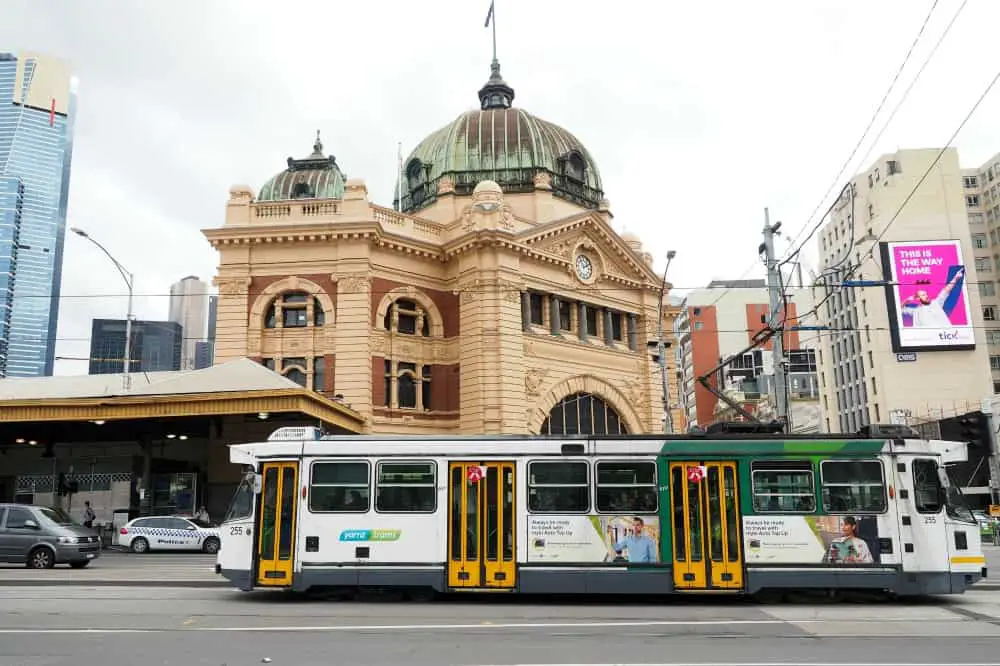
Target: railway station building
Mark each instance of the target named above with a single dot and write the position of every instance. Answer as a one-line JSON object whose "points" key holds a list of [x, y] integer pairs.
{"points": [[494, 296]]}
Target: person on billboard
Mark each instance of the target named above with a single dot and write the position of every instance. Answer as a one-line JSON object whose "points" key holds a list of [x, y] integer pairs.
{"points": [[930, 313], [640, 547], [850, 548]]}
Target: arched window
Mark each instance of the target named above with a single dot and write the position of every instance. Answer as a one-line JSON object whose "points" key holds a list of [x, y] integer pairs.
{"points": [[302, 191], [302, 371], [574, 167], [407, 317], [294, 309], [583, 414], [295, 369], [407, 385]]}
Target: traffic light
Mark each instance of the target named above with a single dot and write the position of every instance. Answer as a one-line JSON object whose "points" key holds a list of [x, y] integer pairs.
{"points": [[971, 428]]}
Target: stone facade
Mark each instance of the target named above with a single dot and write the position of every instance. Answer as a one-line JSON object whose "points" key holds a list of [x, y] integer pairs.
{"points": [[481, 323]]}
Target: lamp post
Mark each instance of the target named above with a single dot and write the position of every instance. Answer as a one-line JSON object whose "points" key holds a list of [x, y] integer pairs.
{"points": [[129, 282], [661, 349]]}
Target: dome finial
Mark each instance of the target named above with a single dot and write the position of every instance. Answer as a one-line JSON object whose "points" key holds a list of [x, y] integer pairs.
{"points": [[317, 147], [496, 94]]}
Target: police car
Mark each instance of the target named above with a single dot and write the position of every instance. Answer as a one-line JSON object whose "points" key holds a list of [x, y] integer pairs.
{"points": [[168, 533]]}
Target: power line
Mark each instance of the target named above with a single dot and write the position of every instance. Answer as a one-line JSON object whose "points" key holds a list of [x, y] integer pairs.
{"points": [[871, 122], [870, 252]]}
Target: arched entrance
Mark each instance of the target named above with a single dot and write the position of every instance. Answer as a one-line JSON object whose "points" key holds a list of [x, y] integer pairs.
{"points": [[583, 414]]}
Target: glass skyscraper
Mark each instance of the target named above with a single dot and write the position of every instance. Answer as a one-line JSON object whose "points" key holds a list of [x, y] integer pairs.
{"points": [[37, 106]]}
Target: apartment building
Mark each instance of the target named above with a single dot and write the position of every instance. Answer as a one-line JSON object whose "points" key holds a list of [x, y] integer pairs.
{"points": [[719, 322], [888, 351]]}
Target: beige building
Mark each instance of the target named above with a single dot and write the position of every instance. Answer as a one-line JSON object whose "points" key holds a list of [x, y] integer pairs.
{"points": [[189, 308], [862, 377], [472, 308]]}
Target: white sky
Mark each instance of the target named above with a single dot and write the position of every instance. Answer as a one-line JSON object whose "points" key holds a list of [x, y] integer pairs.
{"points": [[699, 114]]}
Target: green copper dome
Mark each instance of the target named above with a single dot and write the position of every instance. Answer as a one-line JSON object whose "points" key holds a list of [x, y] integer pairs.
{"points": [[501, 143], [315, 177]]}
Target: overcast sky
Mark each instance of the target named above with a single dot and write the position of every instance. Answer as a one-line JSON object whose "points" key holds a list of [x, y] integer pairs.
{"points": [[699, 114]]}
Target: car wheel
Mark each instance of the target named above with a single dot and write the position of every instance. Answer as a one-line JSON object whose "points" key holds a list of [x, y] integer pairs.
{"points": [[140, 545], [211, 545], [41, 558], [79, 565]]}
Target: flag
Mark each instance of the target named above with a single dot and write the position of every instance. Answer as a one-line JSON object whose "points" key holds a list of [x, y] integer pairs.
{"points": [[489, 16], [52, 113]]}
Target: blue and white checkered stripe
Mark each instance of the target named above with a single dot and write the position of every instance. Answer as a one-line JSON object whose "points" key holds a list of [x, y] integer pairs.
{"points": [[160, 532]]}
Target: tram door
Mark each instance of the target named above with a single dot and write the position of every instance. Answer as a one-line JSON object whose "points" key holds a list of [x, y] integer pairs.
{"points": [[276, 524], [481, 521], [705, 519]]}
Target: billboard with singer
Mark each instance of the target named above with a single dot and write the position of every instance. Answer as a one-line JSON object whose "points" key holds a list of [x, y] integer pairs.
{"points": [[928, 298]]}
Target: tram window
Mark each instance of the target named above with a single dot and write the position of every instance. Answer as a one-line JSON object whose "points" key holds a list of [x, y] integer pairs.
{"points": [[340, 487], [558, 487], [406, 487], [783, 486], [626, 487], [853, 486], [928, 491]]}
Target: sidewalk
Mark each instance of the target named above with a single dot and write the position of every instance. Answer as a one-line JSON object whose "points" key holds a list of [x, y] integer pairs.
{"points": [[116, 568]]}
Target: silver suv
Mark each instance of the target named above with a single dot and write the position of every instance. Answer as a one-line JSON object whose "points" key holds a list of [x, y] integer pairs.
{"points": [[42, 537]]}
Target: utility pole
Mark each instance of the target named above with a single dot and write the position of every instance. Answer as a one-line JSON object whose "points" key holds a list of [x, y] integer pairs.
{"points": [[661, 350], [774, 286]]}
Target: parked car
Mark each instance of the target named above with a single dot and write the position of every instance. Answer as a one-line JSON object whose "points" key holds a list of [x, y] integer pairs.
{"points": [[142, 535], [43, 537]]}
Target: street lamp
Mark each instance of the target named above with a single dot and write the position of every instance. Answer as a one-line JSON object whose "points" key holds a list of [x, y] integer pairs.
{"points": [[129, 282], [661, 350]]}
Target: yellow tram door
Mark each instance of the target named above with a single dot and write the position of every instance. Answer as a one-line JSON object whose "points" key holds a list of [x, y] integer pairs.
{"points": [[705, 524], [481, 525], [276, 524]]}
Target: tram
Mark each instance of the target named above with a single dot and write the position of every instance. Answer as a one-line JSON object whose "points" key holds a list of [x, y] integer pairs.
{"points": [[720, 513]]}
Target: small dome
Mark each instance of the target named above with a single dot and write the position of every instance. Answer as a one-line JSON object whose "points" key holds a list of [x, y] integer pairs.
{"points": [[501, 143], [487, 186], [315, 177]]}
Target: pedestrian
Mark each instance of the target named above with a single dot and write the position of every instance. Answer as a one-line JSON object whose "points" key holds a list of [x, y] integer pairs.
{"points": [[88, 515], [202, 515]]}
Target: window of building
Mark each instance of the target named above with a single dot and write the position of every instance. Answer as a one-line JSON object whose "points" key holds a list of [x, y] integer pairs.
{"points": [[294, 368], [558, 487], [983, 264], [993, 337], [994, 362], [853, 486], [972, 200], [294, 309], [319, 374], [583, 414], [536, 304], [892, 167], [975, 218], [565, 315], [987, 289], [406, 317], [928, 491], [989, 313], [407, 385], [341, 487], [979, 241], [591, 321], [626, 487], [406, 487], [970, 181], [616, 326], [783, 486]]}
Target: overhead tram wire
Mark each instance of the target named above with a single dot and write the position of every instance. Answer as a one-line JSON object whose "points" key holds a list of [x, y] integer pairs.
{"points": [[870, 252], [864, 134], [885, 126]]}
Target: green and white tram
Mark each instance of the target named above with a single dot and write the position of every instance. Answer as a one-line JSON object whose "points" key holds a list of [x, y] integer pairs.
{"points": [[730, 513]]}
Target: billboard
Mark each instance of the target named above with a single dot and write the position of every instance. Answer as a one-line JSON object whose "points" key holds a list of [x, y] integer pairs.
{"points": [[928, 298]]}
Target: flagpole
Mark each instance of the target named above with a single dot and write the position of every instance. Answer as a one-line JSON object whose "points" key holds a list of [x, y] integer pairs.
{"points": [[399, 179], [493, 15]]}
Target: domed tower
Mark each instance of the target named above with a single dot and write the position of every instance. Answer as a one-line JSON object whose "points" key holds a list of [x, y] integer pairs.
{"points": [[504, 144], [315, 177]]}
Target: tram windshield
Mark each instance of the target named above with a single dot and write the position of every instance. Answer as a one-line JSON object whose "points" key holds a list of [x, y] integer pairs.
{"points": [[241, 506]]}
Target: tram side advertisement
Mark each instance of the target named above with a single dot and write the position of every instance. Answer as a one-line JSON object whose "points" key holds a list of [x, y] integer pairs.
{"points": [[618, 539], [832, 540]]}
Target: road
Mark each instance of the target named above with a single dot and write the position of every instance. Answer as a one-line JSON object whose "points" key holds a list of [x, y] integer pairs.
{"points": [[112, 626]]}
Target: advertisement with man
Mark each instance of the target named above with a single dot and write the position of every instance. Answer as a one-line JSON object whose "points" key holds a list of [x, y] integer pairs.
{"points": [[616, 539], [830, 540], [928, 299]]}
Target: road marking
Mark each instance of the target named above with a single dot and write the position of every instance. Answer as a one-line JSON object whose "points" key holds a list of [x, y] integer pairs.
{"points": [[426, 627]]}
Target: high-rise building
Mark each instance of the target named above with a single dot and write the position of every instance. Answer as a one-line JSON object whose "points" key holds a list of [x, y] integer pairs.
{"points": [[156, 345], [912, 346], [37, 103], [718, 323], [189, 308], [205, 351]]}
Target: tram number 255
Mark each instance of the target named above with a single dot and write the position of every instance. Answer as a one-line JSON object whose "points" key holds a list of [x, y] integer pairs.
{"points": [[237, 531]]}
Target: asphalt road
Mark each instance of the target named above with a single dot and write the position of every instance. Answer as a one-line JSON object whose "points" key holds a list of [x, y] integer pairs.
{"points": [[110, 626]]}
